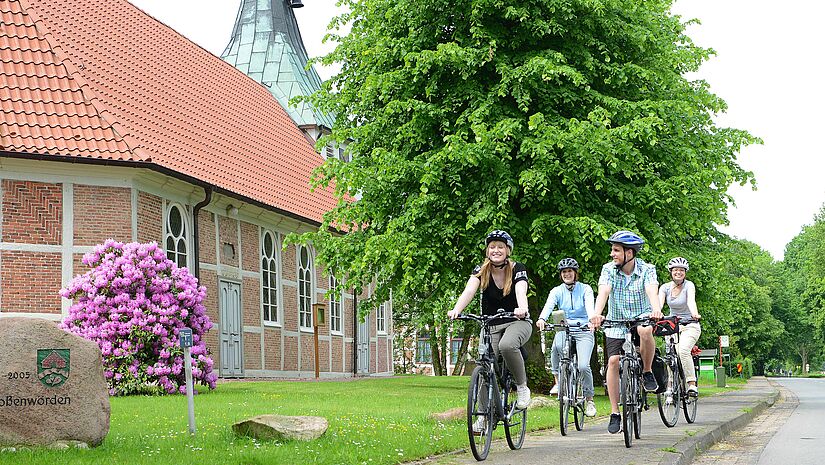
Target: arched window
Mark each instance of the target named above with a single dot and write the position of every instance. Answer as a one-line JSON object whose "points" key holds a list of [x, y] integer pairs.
{"points": [[176, 235], [335, 319], [269, 277], [305, 287]]}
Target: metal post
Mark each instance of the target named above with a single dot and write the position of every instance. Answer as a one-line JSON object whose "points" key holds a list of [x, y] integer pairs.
{"points": [[185, 340], [190, 395]]}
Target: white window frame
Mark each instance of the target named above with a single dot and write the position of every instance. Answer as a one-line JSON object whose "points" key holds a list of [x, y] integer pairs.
{"points": [[276, 318], [185, 236], [305, 315], [381, 319], [336, 312]]}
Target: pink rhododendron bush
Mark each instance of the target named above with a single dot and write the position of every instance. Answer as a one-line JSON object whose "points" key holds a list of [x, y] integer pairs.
{"points": [[133, 303]]}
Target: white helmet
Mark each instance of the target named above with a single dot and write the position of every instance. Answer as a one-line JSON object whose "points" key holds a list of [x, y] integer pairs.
{"points": [[678, 262]]}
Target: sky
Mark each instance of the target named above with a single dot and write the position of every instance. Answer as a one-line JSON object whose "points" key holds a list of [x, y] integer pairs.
{"points": [[766, 68]]}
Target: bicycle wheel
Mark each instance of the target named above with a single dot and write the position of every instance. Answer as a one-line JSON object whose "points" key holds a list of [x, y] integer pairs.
{"points": [[689, 403], [563, 382], [628, 397], [515, 423], [578, 396], [480, 409], [669, 400]]}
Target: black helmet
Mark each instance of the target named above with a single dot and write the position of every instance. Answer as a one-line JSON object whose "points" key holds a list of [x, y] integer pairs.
{"points": [[499, 235], [568, 263]]}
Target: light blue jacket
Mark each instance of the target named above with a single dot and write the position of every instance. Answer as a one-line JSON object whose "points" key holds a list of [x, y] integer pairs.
{"points": [[577, 304]]}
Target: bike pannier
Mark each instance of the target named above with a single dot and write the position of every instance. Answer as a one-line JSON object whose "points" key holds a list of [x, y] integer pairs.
{"points": [[660, 373], [666, 326]]}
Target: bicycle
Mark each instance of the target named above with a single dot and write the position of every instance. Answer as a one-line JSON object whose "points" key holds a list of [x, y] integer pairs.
{"points": [[491, 395], [675, 392], [571, 395], [632, 397]]}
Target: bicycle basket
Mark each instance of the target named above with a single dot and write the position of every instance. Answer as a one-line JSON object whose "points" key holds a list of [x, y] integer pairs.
{"points": [[666, 326]]}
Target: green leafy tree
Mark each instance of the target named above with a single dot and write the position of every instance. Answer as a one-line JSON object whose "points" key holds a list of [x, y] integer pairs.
{"points": [[559, 121]]}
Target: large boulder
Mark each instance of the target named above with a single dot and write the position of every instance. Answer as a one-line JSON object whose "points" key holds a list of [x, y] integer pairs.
{"points": [[282, 427], [52, 387]]}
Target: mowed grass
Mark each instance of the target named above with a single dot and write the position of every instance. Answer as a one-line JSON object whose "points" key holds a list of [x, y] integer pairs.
{"points": [[371, 421]]}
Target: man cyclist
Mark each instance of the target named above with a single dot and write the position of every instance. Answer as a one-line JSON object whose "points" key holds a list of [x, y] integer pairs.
{"points": [[633, 291], [576, 300]]}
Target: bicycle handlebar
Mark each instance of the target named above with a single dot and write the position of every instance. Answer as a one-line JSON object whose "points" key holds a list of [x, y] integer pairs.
{"points": [[644, 321], [485, 318]]}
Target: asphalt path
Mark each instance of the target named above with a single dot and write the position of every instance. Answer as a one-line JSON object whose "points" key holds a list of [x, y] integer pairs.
{"points": [[659, 445], [801, 439]]}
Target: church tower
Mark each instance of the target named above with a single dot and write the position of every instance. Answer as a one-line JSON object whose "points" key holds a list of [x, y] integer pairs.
{"points": [[266, 45]]}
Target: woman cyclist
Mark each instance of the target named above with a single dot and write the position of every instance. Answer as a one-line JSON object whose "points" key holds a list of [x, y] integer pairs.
{"points": [[680, 296], [503, 285], [576, 299]]}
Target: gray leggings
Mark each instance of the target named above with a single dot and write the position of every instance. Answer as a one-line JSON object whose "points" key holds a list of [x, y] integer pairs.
{"points": [[506, 339]]}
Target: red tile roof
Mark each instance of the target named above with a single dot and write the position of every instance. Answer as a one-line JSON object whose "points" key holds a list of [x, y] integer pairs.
{"points": [[103, 80]]}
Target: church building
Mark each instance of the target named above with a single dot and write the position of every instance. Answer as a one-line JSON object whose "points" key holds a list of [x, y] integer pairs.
{"points": [[113, 125]]}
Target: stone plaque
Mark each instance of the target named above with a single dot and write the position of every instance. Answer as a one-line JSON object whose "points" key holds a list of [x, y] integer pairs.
{"points": [[52, 387]]}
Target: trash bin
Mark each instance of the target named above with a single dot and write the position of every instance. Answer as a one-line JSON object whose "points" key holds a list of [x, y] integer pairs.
{"points": [[720, 376]]}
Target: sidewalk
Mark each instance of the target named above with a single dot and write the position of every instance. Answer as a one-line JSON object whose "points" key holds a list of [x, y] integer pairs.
{"points": [[717, 416]]}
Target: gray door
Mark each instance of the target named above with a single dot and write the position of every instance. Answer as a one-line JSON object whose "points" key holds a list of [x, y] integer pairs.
{"points": [[231, 330], [364, 346]]}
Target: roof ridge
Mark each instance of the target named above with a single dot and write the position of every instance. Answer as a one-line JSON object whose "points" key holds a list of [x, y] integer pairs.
{"points": [[74, 72]]}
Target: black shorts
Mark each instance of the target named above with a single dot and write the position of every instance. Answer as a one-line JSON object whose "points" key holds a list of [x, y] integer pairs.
{"points": [[614, 345]]}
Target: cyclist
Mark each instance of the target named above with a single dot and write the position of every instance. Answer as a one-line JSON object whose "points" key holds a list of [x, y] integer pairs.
{"points": [[632, 288], [503, 285], [576, 299], [680, 295]]}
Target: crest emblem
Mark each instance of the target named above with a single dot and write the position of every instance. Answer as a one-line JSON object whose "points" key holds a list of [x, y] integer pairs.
{"points": [[53, 366]]}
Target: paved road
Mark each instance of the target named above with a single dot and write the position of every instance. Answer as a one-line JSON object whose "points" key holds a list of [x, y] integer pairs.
{"points": [[717, 416], [791, 432], [801, 440]]}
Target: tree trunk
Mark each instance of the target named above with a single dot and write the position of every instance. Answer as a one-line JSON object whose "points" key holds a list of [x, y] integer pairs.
{"points": [[460, 363], [803, 354], [538, 377]]}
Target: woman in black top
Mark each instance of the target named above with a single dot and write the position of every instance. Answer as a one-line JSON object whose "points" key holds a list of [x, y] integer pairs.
{"points": [[503, 285]]}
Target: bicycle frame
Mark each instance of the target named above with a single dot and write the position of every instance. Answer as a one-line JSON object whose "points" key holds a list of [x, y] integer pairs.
{"points": [[633, 398], [568, 378], [493, 382]]}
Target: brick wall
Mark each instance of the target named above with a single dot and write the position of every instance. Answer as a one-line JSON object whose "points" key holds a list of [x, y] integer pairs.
{"points": [[206, 241], [251, 351], [290, 313], [289, 266], [32, 212], [209, 279], [31, 282], [228, 234], [251, 301], [272, 349], [250, 246], [291, 353], [102, 213], [150, 218]]}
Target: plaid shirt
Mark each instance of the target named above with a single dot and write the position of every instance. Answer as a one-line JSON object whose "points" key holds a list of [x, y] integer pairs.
{"points": [[628, 298]]}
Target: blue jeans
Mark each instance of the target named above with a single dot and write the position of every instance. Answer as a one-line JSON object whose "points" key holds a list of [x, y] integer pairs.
{"points": [[584, 347]]}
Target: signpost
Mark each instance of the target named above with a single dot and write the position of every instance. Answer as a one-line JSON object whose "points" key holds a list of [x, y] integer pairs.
{"points": [[185, 337], [320, 320]]}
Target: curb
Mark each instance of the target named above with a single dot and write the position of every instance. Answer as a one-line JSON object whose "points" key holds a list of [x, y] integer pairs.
{"points": [[689, 447]]}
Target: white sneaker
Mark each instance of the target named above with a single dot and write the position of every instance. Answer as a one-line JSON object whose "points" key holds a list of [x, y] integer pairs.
{"points": [[523, 397], [692, 390], [478, 426], [554, 390], [590, 409]]}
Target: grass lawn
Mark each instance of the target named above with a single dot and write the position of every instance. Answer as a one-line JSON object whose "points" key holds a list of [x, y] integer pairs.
{"points": [[371, 421]]}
